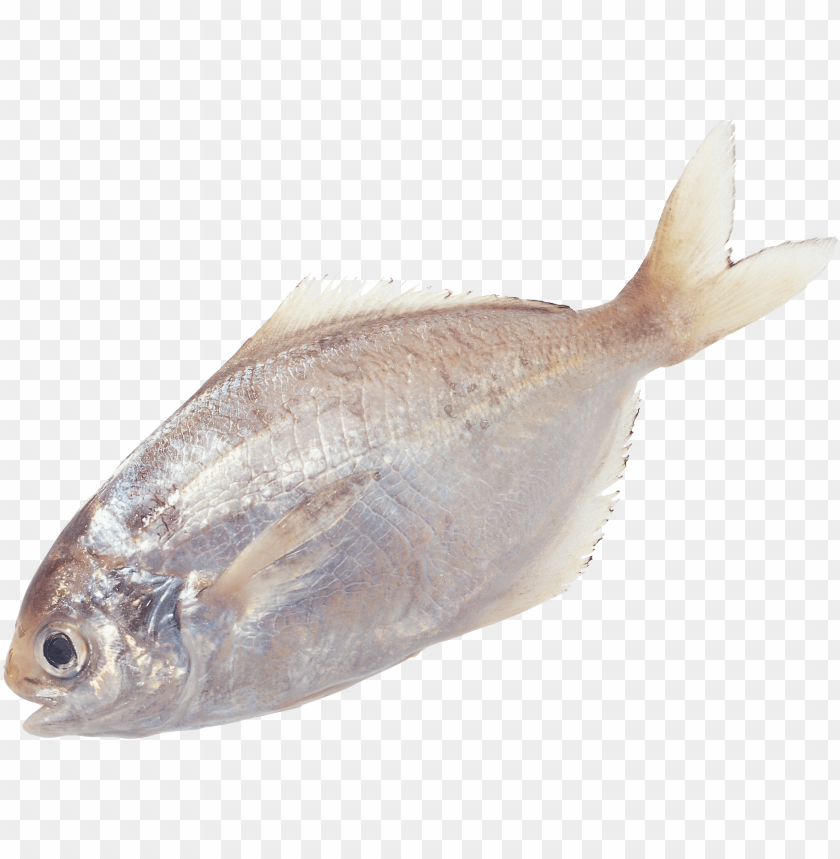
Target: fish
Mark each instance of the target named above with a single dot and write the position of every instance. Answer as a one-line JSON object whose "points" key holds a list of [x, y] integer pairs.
{"points": [[369, 475]]}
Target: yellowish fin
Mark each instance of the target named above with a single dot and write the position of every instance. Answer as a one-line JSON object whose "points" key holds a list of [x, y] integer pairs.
{"points": [[688, 274]]}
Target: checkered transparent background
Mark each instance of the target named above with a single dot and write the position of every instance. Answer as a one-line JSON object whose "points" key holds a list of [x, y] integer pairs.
{"points": [[167, 174]]}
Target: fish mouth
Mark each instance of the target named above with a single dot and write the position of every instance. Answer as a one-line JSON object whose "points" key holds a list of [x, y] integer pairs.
{"points": [[51, 720]]}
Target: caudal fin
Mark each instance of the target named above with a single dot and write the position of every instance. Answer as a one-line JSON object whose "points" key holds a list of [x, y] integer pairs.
{"points": [[688, 275]]}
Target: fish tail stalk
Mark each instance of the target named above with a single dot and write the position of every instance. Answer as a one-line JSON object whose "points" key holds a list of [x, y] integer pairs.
{"points": [[688, 278]]}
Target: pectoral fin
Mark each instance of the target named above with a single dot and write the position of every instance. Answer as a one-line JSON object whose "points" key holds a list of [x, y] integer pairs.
{"points": [[285, 539]]}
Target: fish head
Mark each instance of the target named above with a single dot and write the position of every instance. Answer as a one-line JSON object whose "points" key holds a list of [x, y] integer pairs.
{"points": [[105, 657]]}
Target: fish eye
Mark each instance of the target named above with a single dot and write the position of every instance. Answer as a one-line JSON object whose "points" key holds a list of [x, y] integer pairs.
{"points": [[61, 650]]}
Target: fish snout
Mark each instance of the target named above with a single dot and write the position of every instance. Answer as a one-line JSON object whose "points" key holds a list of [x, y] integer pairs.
{"points": [[24, 687], [47, 721], [16, 674], [11, 674]]}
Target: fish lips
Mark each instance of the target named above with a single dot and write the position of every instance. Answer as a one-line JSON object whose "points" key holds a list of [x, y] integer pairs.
{"points": [[50, 721], [46, 721], [54, 720], [57, 716]]}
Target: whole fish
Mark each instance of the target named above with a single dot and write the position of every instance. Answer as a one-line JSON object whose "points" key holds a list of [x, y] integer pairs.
{"points": [[370, 475]]}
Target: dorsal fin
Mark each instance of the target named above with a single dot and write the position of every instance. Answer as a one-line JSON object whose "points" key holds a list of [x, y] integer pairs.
{"points": [[317, 308]]}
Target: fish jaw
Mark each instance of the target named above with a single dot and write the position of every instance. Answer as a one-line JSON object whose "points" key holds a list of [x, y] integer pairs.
{"points": [[80, 711], [122, 712], [49, 721], [59, 720], [54, 718]]}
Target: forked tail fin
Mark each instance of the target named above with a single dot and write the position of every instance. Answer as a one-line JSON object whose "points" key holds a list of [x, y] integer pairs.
{"points": [[688, 275]]}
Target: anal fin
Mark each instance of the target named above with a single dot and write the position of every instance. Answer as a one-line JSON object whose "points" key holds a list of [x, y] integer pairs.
{"points": [[570, 552]]}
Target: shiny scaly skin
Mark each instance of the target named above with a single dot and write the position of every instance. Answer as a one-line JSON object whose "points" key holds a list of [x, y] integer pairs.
{"points": [[481, 428], [419, 468]]}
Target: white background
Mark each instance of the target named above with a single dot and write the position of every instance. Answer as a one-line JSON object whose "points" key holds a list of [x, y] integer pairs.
{"points": [[169, 171]]}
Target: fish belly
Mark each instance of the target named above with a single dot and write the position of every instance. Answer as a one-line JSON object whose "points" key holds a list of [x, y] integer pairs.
{"points": [[462, 527]]}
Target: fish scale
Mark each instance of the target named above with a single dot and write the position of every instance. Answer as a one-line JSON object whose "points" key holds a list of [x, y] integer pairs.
{"points": [[308, 443], [370, 475]]}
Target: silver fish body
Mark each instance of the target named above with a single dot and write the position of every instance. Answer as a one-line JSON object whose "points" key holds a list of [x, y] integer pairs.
{"points": [[366, 477]]}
